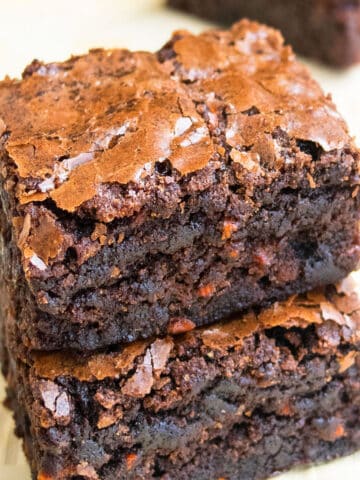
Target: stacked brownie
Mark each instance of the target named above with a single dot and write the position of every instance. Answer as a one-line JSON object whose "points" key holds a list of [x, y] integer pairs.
{"points": [[163, 216], [327, 30], [238, 400]]}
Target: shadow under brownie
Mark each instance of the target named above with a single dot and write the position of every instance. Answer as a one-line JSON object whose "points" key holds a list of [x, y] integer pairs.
{"points": [[145, 194], [241, 399], [328, 30]]}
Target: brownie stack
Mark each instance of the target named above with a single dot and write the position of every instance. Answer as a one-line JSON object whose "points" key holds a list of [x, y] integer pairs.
{"points": [[172, 229]]}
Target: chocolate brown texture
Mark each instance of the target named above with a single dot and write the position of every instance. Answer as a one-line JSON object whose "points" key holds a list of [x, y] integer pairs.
{"points": [[145, 194], [327, 30], [241, 399]]}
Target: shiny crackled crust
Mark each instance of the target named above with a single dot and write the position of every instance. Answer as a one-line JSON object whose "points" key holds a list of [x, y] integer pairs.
{"points": [[109, 116], [159, 405], [327, 30], [243, 185], [171, 106]]}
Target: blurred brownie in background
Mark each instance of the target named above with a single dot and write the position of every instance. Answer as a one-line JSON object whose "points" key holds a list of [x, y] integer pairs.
{"points": [[328, 30]]}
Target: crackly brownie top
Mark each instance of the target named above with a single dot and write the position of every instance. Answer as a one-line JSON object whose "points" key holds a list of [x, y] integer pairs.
{"points": [[111, 117], [147, 360]]}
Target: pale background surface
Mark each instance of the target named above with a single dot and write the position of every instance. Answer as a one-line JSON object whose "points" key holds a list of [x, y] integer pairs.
{"points": [[51, 31]]}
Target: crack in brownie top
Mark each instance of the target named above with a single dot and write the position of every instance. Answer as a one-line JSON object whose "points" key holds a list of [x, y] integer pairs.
{"points": [[109, 117]]}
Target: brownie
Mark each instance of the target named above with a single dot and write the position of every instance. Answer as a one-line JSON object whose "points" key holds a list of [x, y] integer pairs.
{"points": [[327, 30], [145, 194], [243, 399]]}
